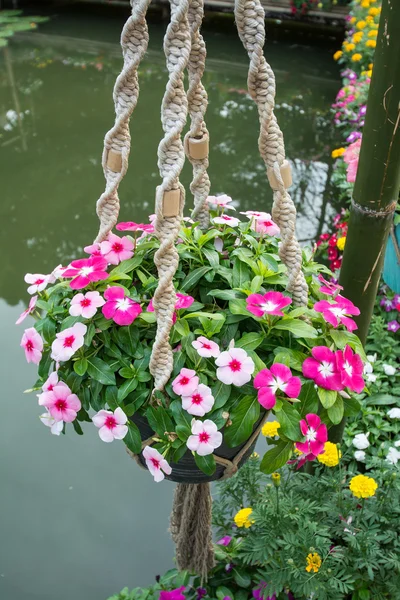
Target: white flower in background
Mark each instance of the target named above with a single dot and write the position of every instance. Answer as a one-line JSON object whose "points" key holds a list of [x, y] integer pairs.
{"points": [[394, 413], [397, 444], [360, 441], [368, 372], [389, 369], [359, 455], [368, 368], [372, 357], [393, 456]]}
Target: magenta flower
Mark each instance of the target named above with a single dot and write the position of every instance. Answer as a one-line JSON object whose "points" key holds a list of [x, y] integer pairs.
{"points": [[85, 271], [112, 425], [226, 220], [322, 368], [265, 225], [234, 367], [56, 427], [222, 201], [205, 347], [316, 435], [93, 249], [38, 282], [259, 592], [199, 402], [116, 249], [131, 226], [27, 311], [278, 378], [182, 301], [86, 305], [173, 594], [67, 342], [185, 383], [51, 382], [270, 303], [121, 309], [156, 464], [338, 312], [387, 304], [350, 367], [205, 437], [393, 326], [329, 287], [32, 343], [225, 541], [61, 403]]}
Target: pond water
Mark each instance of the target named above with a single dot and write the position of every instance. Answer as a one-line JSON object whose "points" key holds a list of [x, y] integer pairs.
{"points": [[79, 519]]}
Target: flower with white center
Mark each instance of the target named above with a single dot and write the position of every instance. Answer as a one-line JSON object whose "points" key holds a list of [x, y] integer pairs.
{"points": [[271, 303], [393, 456], [38, 282], [56, 427], [359, 455], [156, 463], [199, 402], [278, 378], [86, 305], [67, 342], [234, 367], [388, 369], [205, 347], [121, 309], [360, 441], [185, 383], [205, 437], [394, 413], [112, 425]]}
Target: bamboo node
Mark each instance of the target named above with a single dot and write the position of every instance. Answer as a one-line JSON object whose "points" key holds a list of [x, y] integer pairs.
{"points": [[286, 174], [198, 147], [171, 203], [114, 161]]}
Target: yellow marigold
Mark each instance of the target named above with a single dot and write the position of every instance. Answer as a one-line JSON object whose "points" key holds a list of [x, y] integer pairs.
{"points": [[331, 454], [369, 19], [356, 57], [337, 55], [362, 486], [365, 4], [369, 73], [371, 66], [270, 429], [357, 37], [374, 11], [276, 479], [242, 518], [370, 43], [361, 24], [353, 20], [348, 46], [314, 562], [338, 152], [373, 33], [341, 243]]}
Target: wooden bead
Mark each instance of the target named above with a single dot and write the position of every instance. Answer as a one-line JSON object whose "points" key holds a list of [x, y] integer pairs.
{"points": [[114, 161], [198, 147], [171, 203], [286, 174]]}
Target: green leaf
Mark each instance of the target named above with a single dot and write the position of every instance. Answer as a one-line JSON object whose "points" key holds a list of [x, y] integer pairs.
{"points": [[133, 439], [100, 371], [80, 366], [182, 418], [44, 365], [309, 399], [193, 277], [276, 458], [221, 393], [297, 327], [126, 266], [223, 592], [182, 327], [336, 412], [77, 427], [126, 388], [111, 396], [249, 341], [352, 407], [127, 339], [225, 294], [206, 463], [159, 420], [126, 373], [70, 322], [289, 418], [291, 358], [243, 417], [49, 329], [256, 284], [241, 273], [241, 578], [327, 397], [341, 338], [206, 237], [238, 307], [212, 256], [382, 400]]}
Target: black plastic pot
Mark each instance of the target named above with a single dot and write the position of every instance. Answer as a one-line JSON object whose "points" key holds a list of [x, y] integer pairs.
{"points": [[186, 471]]}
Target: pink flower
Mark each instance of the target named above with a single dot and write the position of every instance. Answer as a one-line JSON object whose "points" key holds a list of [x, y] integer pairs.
{"points": [[112, 425], [223, 201], [205, 347], [51, 382], [322, 368], [86, 270], [67, 342], [351, 157], [38, 282], [254, 214], [265, 225], [182, 301], [234, 366], [156, 463], [120, 308], [173, 594], [116, 249], [61, 403], [226, 220], [93, 249], [350, 367], [338, 312], [225, 541], [131, 226], [56, 427], [328, 287], [269, 381], [205, 437], [198, 402], [270, 303], [186, 383], [32, 343], [58, 272], [86, 305], [316, 435], [27, 311]]}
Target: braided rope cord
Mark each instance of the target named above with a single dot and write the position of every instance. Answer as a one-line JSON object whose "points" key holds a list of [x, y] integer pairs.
{"points": [[117, 142], [171, 158], [250, 20], [197, 101]]}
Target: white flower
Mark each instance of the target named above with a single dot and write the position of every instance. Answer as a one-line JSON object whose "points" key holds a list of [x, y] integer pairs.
{"points": [[56, 427], [372, 357], [389, 370], [393, 456], [368, 368], [371, 378], [397, 444], [359, 455], [360, 441], [394, 413]]}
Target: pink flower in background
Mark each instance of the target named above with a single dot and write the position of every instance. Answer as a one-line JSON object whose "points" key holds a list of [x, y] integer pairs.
{"points": [[351, 368], [265, 225], [222, 201], [86, 305], [112, 425], [116, 249], [254, 214], [56, 427], [182, 301], [67, 342], [58, 272], [85, 271], [27, 311], [338, 312], [131, 226], [225, 541], [234, 367], [322, 368], [329, 287], [218, 244], [393, 326], [351, 157], [32, 343], [199, 402], [121, 309], [156, 464], [278, 378], [316, 435], [173, 594], [205, 437], [38, 282], [185, 383], [61, 403], [271, 303], [205, 347], [226, 220], [93, 249]]}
